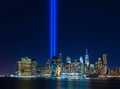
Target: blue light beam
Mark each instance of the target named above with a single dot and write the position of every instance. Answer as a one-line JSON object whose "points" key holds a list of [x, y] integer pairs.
{"points": [[52, 28]]}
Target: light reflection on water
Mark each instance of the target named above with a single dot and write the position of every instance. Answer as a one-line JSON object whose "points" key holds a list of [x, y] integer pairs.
{"points": [[71, 83], [59, 83]]}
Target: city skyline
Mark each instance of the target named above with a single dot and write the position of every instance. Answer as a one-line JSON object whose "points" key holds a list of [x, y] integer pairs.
{"points": [[82, 58], [24, 31], [77, 68]]}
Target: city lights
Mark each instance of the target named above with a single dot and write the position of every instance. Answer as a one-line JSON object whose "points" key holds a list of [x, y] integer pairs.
{"points": [[72, 68]]}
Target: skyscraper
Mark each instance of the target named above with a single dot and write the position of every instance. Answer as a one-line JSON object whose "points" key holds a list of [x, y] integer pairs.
{"points": [[24, 67], [81, 60], [68, 60], [100, 66], [87, 61], [54, 65], [105, 64], [33, 66]]}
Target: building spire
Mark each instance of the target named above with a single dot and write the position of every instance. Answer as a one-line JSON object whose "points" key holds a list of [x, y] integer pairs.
{"points": [[86, 51], [86, 56]]}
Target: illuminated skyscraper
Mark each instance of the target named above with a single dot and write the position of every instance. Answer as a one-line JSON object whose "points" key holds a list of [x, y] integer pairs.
{"points": [[19, 68], [87, 61], [58, 71], [47, 69], [81, 60], [59, 60], [68, 60], [24, 67], [54, 65], [105, 64], [82, 70], [33, 66], [105, 59], [99, 66], [92, 69]]}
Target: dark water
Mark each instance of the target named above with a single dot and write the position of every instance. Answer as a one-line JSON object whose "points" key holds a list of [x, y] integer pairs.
{"points": [[38, 83]]}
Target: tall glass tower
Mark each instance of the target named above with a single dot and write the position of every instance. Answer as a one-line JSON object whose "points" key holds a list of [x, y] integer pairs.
{"points": [[86, 57]]}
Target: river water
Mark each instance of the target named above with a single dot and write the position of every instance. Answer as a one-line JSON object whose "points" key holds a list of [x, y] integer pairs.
{"points": [[57, 83]]}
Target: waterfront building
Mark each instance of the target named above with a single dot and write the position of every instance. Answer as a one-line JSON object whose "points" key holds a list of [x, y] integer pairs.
{"points": [[105, 68], [82, 69], [33, 67], [81, 60], [76, 68], [109, 71], [86, 57], [18, 72], [100, 67], [54, 65], [92, 69], [68, 60], [24, 67], [39, 71], [47, 69], [59, 65], [58, 70]]}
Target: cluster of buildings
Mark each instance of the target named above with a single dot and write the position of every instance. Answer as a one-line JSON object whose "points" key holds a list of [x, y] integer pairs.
{"points": [[76, 68]]}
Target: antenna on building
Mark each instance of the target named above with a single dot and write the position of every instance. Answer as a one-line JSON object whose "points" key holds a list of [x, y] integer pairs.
{"points": [[86, 51]]}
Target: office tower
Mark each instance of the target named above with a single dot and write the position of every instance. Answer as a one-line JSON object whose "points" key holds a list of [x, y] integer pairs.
{"points": [[77, 65], [92, 69], [100, 66], [87, 61], [59, 65], [82, 69], [96, 68], [19, 68], [85, 69], [117, 71], [58, 70], [24, 67], [81, 60], [99, 63], [59, 61], [68, 60], [109, 71], [67, 66], [33, 66], [105, 59], [39, 71], [47, 69], [105, 64], [54, 65]]}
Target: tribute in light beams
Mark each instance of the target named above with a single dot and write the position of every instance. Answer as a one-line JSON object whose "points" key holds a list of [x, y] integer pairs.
{"points": [[52, 28]]}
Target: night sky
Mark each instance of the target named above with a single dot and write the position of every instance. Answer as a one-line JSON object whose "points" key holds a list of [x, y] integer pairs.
{"points": [[81, 24]]}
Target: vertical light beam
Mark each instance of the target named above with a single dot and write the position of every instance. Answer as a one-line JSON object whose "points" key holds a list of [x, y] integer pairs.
{"points": [[52, 28]]}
